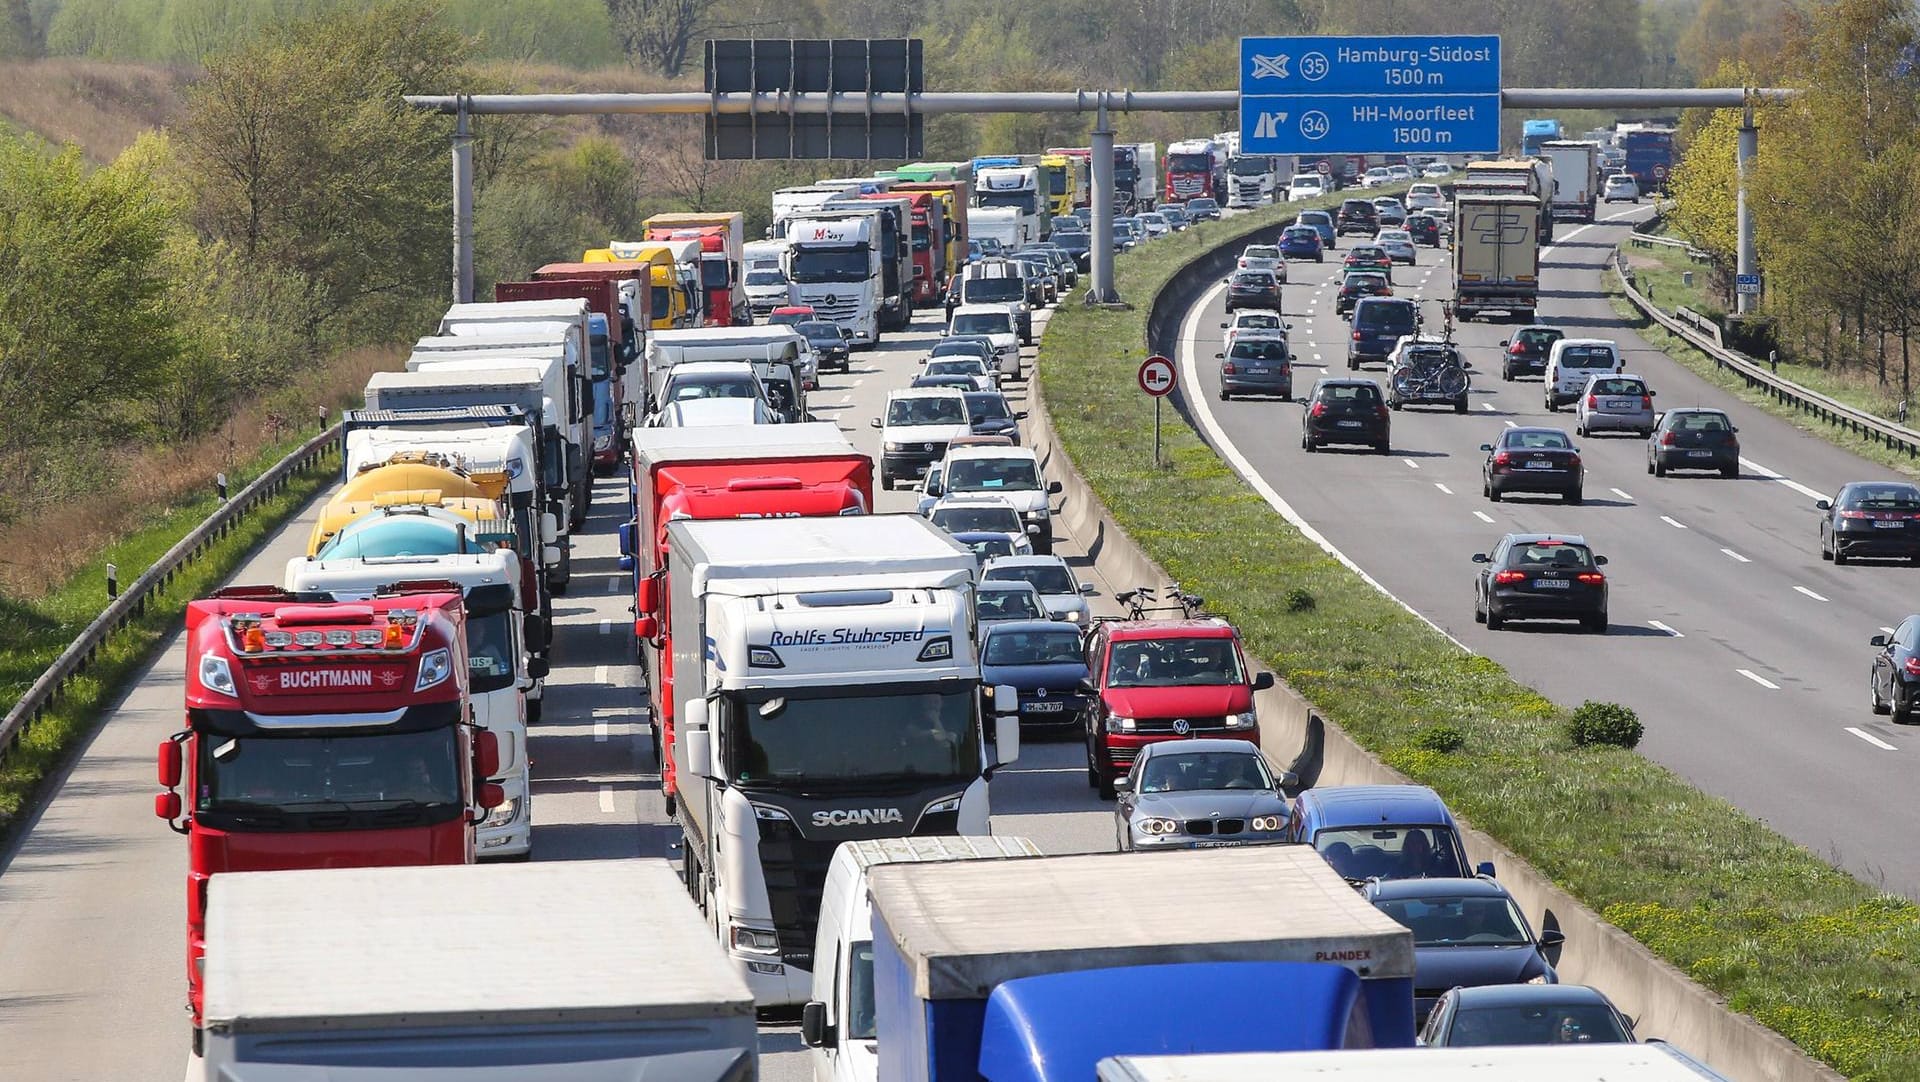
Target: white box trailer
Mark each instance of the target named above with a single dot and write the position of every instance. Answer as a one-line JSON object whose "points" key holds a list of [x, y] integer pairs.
{"points": [[1576, 178], [565, 971], [1551, 1063]]}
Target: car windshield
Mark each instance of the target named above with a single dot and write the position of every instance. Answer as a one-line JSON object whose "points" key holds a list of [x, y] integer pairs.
{"points": [[1315, 217], [983, 323], [1048, 647], [681, 390], [1009, 605], [1699, 422], [766, 278], [1586, 357], [988, 406], [1302, 232], [1258, 349], [1882, 498], [955, 366], [943, 410], [1046, 578], [1365, 281], [1385, 317], [1190, 771], [1349, 392], [1077, 241], [1367, 253], [1534, 1024], [1201, 204], [1146, 663], [1541, 555], [1475, 921], [988, 547], [1254, 279], [993, 290], [966, 519], [818, 333], [1392, 235], [1524, 440], [1391, 852]]}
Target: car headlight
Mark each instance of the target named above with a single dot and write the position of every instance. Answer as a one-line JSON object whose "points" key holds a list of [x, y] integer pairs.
{"points": [[217, 676], [760, 941], [895, 447], [1120, 724], [1076, 616], [603, 442], [1242, 720], [1268, 822], [1154, 826], [434, 669], [502, 815], [1039, 514]]}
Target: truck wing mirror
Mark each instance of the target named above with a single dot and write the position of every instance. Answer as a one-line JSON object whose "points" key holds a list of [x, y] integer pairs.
{"points": [[815, 1030], [549, 555], [1006, 731], [490, 794], [874, 423], [538, 667], [1485, 868], [626, 537], [1262, 681], [167, 805], [170, 759], [699, 739], [646, 628], [646, 595], [486, 756], [549, 528], [533, 628]]}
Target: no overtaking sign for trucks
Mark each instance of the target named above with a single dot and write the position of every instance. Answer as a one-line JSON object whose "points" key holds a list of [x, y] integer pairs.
{"points": [[1156, 376]]}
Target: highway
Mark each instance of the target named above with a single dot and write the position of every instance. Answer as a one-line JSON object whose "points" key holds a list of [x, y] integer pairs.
{"points": [[92, 899], [1743, 652]]}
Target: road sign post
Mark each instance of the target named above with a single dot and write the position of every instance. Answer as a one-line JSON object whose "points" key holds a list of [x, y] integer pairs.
{"points": [[1156, 378], [1747, 284], [1370, 95]]}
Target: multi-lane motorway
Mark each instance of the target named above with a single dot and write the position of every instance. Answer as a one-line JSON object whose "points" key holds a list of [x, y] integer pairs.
{"points": [[1745, 654], [92, 901]]}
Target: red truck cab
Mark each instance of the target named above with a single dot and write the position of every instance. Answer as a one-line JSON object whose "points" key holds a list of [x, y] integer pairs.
{"points": [[753, 471], [929, 245], [1156, 680], [322, 734]]}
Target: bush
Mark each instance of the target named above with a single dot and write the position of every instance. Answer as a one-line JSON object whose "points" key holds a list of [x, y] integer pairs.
{"points": [[1299, 600], [1604, 723], [1441, 738]]}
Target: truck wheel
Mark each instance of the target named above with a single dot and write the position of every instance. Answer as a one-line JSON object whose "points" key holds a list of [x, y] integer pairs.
{"points": [[534, 710], [558, 579]]}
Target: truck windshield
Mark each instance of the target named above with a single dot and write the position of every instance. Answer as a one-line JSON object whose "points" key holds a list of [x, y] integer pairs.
{"points": [[922, 239], [1252, 167], [1021, 201], [307, 782], [715, 274], [1174, 663], [662, 303], [490, 653], [1189, 163], [789, 742], [832, 264], [766, 278], [993, 475], [983, 323]]}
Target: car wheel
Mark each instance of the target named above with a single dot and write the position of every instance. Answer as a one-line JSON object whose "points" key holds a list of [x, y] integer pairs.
{"points": [[1839, 557], [1580, 430], [1549, 405], [1495, 621], [1506, 373], [1460, 404], [1493, 492], [1901, 707], [1224, 396], [1572, 495], [1393, 403], [1876, 703], [1352, 365], [1825, 552], [1651, 468], [1383, 447], [1106, 790]]}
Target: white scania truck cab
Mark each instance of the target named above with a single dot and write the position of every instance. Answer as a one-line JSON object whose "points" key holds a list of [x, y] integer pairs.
{"points": [[1016, 188]]}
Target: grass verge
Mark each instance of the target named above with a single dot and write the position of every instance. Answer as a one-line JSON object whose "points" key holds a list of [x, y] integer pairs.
{"points": [[1806, 949], [33, 633]]}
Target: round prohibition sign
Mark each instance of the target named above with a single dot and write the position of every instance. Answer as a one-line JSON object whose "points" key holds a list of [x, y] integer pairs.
{"points": [[1156, 376]]}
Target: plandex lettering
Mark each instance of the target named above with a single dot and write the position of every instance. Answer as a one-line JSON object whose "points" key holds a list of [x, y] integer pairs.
{"points": [[1343, 956]]}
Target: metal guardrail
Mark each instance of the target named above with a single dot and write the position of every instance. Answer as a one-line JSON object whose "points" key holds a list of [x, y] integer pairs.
{"points": [[1757, 374], [133, 601]]}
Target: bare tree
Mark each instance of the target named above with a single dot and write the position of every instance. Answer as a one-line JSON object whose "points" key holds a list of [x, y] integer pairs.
{"points": [[659, 31]]}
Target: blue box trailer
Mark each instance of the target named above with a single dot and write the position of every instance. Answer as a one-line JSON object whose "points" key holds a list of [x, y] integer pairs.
{"points": [[1026, 971]]}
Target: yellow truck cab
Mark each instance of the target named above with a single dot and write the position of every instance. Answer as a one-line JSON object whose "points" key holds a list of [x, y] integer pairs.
{"points": [[672, 308], [1062, 182], [413, 480]]}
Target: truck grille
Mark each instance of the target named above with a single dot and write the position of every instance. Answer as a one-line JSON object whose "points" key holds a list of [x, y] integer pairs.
{"points": [[842, 309], [795, 870], [1187, 185]]}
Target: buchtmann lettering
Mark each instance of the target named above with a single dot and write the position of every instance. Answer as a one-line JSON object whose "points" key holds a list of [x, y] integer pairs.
{"points": [[324, 679]]}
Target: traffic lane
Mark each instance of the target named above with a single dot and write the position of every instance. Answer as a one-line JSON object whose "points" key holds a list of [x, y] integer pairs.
{"points": [[1699, 754], [92, 911]]}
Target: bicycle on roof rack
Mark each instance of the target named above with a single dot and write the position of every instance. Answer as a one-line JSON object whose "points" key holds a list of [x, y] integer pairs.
{"points": [[1141, 601]]}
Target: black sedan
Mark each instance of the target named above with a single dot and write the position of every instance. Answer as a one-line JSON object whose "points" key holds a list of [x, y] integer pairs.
{"points": [[1532, 460], [1466, 933], [1425, 229], [1525, 1014], [1253, 289], [1694, 439], [1526, 351], [1895, 681], [1356, 285], [1532, 576], [830, 341], [1871, 518], [989, 415], [1346, 411]]}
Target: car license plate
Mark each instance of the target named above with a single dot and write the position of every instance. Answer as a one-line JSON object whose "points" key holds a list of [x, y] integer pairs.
{"points": [[1258, 371], [1214, 845], [1550, 584], [1539, 464], [1883, 524], [1046, 708], [1349, 424], [1623, 403], [1699, 454]]}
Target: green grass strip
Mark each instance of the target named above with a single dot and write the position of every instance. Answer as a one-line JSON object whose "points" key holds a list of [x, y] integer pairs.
{"points": [[1806, 949], [33, 633]]}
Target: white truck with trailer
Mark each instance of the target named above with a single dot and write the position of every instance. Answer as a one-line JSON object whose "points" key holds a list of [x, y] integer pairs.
{"points": [[1496, 255], [835, 266], [565, 971], [826, 688], [1558, 1063], [799, 201], [1254, 180], [500, 673], [895, 241], [1576, 178], [1016, 188]]}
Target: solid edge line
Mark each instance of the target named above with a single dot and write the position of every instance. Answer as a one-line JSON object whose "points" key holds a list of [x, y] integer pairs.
{"points": [[1190, 380]]}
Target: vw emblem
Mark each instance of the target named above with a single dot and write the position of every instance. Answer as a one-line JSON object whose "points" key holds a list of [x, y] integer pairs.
{"points": [[1042, 693], [1181, 727]]}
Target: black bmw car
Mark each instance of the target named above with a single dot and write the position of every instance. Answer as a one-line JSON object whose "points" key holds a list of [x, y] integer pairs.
{"points": [[1871, 518]]}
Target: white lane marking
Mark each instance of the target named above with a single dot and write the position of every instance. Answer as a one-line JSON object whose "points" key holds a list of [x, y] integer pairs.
{"points": [[600, 674], [606, 799], [1774, 475], [1190, 372], [1411, 464], [1489, 407], [613, 584], [1621, 494], [1548, 250], [1809, 593], [1443, 488], [1657, 625], [1671, 521], [600, 730], [1510, 424], [1871, 739], [1887, 630], [1483, 516], [1315, 356], [1736, 556], [1758, 679], [606, 627]]}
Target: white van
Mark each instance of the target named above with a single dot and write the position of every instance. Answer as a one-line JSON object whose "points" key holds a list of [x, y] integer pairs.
{"points": [[838, 1023], [915, 430], [1000, 326], [1572, 361]]}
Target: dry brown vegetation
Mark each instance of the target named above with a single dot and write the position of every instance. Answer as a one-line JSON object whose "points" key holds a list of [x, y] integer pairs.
{"points": [[39, 551], [102, 106]]}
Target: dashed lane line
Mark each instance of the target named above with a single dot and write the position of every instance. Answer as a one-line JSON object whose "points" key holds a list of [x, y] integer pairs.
{"points": [[1871, 739], [1758, 679]]}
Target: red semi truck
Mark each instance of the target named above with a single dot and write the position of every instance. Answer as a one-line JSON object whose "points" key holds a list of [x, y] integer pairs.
{"points": [[723, 238], [322, 734], [747, 471], [929, 244]]}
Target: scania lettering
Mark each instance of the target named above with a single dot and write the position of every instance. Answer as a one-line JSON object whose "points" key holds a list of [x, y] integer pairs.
{"points": [[784, 751], [1015, 188], [321, 734], [835, 265], [744, 472]]}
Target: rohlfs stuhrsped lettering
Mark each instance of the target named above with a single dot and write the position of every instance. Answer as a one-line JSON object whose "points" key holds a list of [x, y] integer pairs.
{"points": [[846, 636]]}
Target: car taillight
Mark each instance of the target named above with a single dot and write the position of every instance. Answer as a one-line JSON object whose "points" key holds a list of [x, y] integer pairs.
{"points": [[1508, 578], [1573, 461], [1591, 578], [1667, 440], [1593, 403], [1381, 410], [1856, 514], [1356, 336], [1227, 368], [1516, 349], [1912, 666], [1319, 409], [1501, 458], [1646, 401]]}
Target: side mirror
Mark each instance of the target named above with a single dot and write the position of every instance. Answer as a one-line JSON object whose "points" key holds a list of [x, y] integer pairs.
{"points": [[1481, 558], [1262, 681], [1823, 505], [626, 563], [1653, 394], [646, 595], [1224, 326], [486, 757], [627, 529], [1088, 687], [1123, 784], [1600, 561], [539, 667], [699, 740], [1486, 447], [646, 628], [1221, 356], [1087, 589], [814, 1030], [171, 760], [1877, 640], [1287, 780], [1552, 937], [1006, 738], [874, 423], [1033, 528], [549, 528], [1485, 868], [489, 794], [167, 805], [1730, 428], [933, 488], [1054, 488], [1020, 416]]}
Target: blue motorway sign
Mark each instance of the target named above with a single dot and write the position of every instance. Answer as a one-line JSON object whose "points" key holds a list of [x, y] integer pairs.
{"points": [[1375, 65], [1370, 124]]}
